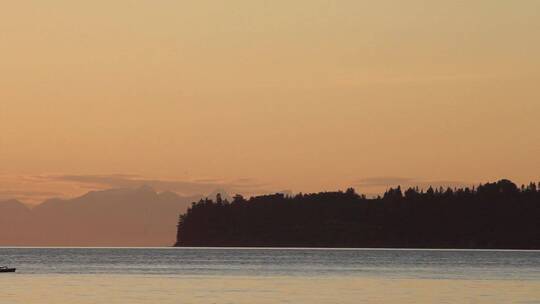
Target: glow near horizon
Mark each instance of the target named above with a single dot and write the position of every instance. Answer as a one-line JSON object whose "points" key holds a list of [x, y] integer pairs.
{"points": [[302, 95]]}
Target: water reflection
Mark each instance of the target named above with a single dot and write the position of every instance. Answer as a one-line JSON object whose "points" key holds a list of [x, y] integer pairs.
{"points": [[109, 275]]}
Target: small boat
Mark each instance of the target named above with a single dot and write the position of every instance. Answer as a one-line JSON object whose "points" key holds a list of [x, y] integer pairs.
{"points": [[6, 269]]}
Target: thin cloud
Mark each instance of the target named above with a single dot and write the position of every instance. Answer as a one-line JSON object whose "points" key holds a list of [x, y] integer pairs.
{"points": [[179, 186], [383, 181], [34, 189], [27, 193]]}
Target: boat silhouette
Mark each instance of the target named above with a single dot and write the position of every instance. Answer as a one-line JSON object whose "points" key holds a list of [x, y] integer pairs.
{"points": [[7, 269]]}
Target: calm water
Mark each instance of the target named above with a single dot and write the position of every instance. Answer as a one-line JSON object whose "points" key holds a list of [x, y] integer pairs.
{"points": [[172, 275]]}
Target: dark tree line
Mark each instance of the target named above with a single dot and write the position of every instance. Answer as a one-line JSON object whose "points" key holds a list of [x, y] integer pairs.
{"points": [[494, 215]]}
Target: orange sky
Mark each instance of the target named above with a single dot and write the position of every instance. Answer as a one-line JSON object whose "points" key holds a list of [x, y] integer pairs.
{"points": [[261, 96]]}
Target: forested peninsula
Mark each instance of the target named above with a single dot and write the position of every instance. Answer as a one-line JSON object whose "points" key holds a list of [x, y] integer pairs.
{"points": [[497, 215]]}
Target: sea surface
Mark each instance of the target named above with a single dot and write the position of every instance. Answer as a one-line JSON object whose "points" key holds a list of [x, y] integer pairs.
{"points": [[240, 275]]}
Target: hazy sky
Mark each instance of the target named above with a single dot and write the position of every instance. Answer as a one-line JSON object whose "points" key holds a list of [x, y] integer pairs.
{"points": [[305, 95]]}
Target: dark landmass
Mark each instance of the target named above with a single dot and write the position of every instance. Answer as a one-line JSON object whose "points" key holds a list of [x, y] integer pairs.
{"points": [[492, 216]]}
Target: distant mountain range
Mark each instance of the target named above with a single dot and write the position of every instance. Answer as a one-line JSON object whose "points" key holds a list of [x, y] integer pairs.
{"points": [[116, 217]]}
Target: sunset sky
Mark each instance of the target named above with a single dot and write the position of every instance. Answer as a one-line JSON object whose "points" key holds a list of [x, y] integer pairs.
{"points": [[260, 96]]}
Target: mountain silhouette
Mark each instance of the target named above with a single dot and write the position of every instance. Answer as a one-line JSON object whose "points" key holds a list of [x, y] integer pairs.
{"points": [[114, 217], [14, 218]]}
